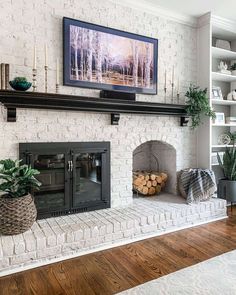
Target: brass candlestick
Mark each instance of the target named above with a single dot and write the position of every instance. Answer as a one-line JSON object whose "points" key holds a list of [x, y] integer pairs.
{"points": [[172, 92], [178, 98], [57, 88], [46, 78], [34, 80], [165, 91]]}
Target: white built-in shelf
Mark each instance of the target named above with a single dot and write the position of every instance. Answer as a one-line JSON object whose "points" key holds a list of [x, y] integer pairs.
{"points": [[221, 146], [223, 102], [224, 125], [223, 77], [223, 53], [215, 164]]}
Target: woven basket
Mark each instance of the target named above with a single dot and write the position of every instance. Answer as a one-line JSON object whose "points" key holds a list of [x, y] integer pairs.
{"points": [[17, 215]]}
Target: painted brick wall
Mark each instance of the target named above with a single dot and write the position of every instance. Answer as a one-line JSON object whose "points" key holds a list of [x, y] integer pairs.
{"points": [[24, 23]]}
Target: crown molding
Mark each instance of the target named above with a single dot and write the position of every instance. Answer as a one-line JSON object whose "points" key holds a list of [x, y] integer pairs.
{"points": [[143, 5], [226, 24]]}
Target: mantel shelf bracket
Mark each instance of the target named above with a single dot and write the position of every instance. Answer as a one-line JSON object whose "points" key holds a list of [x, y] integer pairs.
{"points": [[11, 114], [115, 118], [184, 121]]}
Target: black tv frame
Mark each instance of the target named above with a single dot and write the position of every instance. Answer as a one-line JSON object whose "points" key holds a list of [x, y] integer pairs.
{"points": [[102, 86]]}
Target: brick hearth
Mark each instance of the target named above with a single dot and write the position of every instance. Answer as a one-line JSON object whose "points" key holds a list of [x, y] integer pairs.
{"points": [[67, 236]]}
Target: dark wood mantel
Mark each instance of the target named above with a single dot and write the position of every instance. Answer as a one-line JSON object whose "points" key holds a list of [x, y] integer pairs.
{"points": [[17, 99]]}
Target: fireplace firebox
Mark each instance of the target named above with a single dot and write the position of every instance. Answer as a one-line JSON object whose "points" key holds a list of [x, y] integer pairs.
{"points": [[75, 177]]}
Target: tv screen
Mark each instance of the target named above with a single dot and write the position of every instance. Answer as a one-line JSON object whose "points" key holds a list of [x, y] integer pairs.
{"points": [[104, 58]]}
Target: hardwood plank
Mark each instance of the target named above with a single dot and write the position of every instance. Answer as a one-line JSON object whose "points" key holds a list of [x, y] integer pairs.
{"points": [[111, 271]]}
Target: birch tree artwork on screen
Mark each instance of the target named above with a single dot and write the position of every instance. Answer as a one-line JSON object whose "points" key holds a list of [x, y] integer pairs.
{"points": [[110, 59]]}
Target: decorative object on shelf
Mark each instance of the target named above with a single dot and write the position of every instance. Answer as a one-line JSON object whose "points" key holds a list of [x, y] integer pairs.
{"points": [[214, 159], [57, 76], [233, 137], [219, 118], [165, 86], [5, 73], [132, 68], [46, 68], [233, 69], [172, 84], [232, 95], [20, 84], [230, 120], [224, 139], [223, 68], [18, 211], [198, 105], [178, 94], [34, 71], [217, 93], [227, 185], [223, 44]]}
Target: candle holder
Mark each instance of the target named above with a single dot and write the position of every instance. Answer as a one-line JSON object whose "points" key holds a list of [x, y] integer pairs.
{"points": [[172, 92], [57, 88], [165, 91], [34, 80], [178, 100], [46, 78]]}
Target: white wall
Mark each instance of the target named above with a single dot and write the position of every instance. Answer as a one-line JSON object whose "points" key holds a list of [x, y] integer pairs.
{"points": [[23, 23]]}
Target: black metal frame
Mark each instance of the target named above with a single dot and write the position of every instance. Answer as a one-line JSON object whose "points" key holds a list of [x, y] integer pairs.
{"points": [[67, 22], [70, 149]]}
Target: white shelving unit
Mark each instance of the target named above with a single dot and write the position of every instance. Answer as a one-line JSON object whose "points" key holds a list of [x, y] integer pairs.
{"points": [[209, 56]]}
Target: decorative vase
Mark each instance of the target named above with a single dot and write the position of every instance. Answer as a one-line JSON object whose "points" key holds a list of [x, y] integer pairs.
{"points": [[20, 86], [17, 215], [233, 73]]}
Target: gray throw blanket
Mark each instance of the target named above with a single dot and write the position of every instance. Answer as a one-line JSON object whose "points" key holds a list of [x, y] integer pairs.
{"points": [[198, 184]]}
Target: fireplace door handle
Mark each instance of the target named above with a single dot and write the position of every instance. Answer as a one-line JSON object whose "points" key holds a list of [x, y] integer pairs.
{"points": [[69, 166]]}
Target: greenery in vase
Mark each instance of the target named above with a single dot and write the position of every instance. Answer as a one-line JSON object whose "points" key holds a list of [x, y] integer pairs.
{"points": [[198, 105], [20, 80], [228, 163], [233, 67], [17, 180]]}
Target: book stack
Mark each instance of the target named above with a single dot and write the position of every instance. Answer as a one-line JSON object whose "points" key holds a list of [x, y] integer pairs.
{"points": [[5, 72]]}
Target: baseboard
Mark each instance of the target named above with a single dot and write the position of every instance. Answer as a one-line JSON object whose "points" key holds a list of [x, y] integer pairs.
{"points": [[104, 247]]}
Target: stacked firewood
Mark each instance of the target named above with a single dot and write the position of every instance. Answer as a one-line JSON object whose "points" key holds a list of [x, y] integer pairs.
{"points": [[149, 183]]}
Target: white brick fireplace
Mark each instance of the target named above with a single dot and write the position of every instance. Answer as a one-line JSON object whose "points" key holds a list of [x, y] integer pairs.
{"points": [[128, 219]]}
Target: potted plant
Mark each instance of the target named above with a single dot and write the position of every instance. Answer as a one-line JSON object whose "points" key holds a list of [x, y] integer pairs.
{"points": [[20, 83], [227, 185], [233, 69], [17, 208], [198, 105]]}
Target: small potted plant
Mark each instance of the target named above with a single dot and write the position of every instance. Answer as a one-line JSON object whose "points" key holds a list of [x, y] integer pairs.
{"points": [[17, 208], [233, 69], [227, 185], [198, 105], [20, 83]]}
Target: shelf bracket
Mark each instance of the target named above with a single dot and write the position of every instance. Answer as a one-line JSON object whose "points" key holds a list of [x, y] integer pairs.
{"points": [[184, 121], [115, 118], [11, 114]]}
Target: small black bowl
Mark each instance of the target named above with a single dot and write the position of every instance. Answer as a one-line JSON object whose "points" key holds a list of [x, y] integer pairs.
{"points": [[21, 86]]}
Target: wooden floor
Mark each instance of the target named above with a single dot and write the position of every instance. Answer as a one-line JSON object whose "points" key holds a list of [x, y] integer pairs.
{"points": [[111, 271]]}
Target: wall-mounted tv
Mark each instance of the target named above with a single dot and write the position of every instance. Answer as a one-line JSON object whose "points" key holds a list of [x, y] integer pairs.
{"points": [[108, 59]]}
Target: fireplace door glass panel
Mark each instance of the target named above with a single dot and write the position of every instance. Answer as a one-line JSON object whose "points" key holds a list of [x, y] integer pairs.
{"points": [[52, 177], [87, 178]]}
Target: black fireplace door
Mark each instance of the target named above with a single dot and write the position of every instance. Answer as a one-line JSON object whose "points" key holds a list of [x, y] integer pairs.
{"points": [[75, 177]]}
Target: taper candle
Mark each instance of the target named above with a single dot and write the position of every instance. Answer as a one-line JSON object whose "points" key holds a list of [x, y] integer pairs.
{"points": [[57, 72], [165, 78], [46, 55], [173, 75], [35, 58]]}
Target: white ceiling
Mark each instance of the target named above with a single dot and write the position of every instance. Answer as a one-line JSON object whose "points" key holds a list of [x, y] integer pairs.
{"points": [[222, 8]]}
